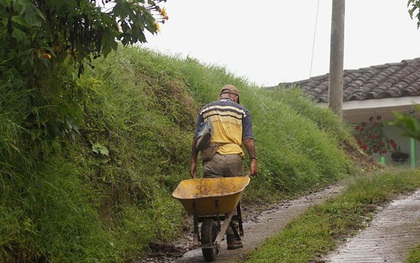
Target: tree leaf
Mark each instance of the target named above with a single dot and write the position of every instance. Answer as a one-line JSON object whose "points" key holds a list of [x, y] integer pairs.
{"points": [[100, 149], [32, 16]]}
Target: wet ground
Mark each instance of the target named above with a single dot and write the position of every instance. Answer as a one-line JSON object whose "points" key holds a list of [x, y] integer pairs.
{"points": [[393, 231], [258, 228]]}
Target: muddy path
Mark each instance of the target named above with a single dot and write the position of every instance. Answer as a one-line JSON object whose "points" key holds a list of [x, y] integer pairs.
{"points": [[259, 227], [388, 238]]}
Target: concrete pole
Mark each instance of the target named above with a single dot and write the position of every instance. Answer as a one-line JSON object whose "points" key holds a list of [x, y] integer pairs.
{"points": [[335, 99]]}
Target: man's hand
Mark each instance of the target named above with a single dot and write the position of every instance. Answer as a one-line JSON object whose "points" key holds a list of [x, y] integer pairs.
{"points": [[250, 147], [253, 170]]}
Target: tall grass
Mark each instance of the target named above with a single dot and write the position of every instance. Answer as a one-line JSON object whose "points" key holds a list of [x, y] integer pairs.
{"points": [[296, 150], [13, 98]]}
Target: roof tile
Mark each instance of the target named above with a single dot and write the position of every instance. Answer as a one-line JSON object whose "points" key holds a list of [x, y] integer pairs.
{"points": [[389, 80]]}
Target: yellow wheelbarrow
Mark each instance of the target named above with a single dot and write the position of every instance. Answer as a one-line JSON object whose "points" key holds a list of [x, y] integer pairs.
{"points": [[211, 201]]}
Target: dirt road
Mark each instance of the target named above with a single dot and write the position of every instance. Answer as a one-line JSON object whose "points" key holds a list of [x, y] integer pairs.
{"points": [[393, 231], [390, 235], [260, 227]]}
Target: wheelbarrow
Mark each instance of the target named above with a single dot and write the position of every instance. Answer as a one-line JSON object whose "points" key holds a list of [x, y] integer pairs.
{"points": [[213, 202]]}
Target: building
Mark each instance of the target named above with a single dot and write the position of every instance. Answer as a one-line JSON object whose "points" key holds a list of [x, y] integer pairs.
{"points": [[375, 91]]}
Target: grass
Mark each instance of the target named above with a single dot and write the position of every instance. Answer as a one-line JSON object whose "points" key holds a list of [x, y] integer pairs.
{"points": [[319, 230], [414, 255]]}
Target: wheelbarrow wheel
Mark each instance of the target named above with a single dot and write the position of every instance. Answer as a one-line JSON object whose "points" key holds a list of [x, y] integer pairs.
{"points": [[208, 236]]}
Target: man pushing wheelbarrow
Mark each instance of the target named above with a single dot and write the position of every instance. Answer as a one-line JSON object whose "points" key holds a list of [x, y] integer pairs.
{"points": [[223, 127]]}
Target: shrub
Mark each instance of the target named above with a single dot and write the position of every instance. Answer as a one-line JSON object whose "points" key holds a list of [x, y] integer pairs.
{"points": [[371, 137]]}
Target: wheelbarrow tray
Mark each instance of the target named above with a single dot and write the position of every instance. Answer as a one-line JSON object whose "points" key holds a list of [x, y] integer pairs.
{"points": [[211, 196]]}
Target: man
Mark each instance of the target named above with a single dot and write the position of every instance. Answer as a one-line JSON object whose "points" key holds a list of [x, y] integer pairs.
{"points": [[232, 128]]}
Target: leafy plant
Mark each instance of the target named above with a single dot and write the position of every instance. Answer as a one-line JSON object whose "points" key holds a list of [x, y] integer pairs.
{"points": [[55, 29], [409, 124], [413, 10], [371, 137]]}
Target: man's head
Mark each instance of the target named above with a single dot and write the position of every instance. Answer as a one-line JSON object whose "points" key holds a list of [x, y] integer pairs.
{"points": [[230, 91]]}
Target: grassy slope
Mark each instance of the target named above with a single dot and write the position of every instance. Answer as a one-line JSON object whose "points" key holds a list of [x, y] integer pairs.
{"points": [[105, 195]]}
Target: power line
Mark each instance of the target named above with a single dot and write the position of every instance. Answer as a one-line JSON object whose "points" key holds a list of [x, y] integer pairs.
{"points": [[313, 42]]}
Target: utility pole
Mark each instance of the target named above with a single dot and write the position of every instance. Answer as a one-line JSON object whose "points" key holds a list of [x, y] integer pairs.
{"points": [[335, 99]]}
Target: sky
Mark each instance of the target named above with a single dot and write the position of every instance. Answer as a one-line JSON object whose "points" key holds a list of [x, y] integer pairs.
{"points": [[276, 41]]}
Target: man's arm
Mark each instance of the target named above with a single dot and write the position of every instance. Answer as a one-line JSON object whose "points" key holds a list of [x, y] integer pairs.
{"points": [[193, 159], [194, 152], [250, 147]]}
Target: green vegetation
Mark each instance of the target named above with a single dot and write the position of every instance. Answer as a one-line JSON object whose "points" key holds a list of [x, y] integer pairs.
{"points": [[89, 164], [37, 34], [414, 256], [317, 231]]}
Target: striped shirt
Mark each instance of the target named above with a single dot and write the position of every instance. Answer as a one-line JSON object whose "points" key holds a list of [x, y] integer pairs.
{"points": [[231, 124]]}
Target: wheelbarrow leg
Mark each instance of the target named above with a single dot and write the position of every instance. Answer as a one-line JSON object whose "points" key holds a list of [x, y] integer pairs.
{"points": [[223, 228]]}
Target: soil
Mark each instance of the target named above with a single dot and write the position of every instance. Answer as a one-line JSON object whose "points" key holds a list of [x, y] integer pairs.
{"points": [[388, 238]]}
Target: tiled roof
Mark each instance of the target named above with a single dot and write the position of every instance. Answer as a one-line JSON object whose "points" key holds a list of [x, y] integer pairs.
{"points": [[390, 80]]}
